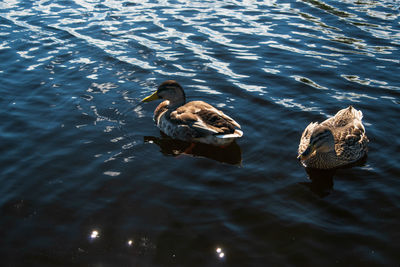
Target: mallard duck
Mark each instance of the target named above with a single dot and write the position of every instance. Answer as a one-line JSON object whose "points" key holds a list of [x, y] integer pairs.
{"points": [[337, 141], [195, 121]]}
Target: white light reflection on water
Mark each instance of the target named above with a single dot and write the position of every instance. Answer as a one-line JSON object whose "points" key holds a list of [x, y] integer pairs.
{"points": [[94, 235], [220, 253]]}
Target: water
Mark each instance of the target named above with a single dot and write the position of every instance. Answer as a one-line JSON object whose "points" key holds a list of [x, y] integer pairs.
{"points": [[86, 179]]}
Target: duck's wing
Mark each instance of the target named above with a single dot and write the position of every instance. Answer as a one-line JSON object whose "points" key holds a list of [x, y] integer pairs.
{"points": [[347, 125], [349, 132], [351, 142], [204, 118], [305, 137]]}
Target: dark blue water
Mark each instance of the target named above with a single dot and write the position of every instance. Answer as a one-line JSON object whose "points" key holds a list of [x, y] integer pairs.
{"points": [[86, 179]]}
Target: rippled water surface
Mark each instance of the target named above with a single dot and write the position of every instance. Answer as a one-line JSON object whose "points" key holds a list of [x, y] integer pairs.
{"points": [[86, 179]]}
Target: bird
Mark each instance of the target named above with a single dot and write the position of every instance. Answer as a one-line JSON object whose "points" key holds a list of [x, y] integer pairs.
{"points": [[194, 121], [336, 142]]}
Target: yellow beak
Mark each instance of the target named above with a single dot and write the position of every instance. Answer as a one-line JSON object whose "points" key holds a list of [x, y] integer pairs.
{"points": [[151, 97]]}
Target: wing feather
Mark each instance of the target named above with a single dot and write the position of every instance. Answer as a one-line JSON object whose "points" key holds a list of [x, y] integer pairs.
{"points": [[204, 118]]}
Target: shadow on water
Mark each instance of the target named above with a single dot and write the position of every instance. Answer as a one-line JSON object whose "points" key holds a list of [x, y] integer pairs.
{"points": [[322, 180], [230, 154]]}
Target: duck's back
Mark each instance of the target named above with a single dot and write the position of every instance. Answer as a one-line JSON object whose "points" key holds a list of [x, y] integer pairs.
{"points": [[344, 117], [349, 134], [204, 117]]}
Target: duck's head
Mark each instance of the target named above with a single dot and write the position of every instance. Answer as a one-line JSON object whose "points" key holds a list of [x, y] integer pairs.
{"points": [[168, 90], [321, 141]]}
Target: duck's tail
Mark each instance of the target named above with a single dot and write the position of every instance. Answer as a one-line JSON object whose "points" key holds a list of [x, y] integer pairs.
{"points": [[236, 134], [356, 113]]}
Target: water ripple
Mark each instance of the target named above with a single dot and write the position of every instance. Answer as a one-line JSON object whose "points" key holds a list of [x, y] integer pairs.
{"points": [[81, 153]]}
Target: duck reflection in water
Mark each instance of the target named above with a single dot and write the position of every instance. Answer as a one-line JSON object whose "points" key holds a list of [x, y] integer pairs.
{"points": [[230, 154], [322, 179]]}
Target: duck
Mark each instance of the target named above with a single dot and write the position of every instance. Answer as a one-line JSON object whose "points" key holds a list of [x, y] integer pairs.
{"points": [[194, 121], [336, 142]]}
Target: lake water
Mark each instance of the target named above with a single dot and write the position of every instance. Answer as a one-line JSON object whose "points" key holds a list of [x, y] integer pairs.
{"points": [[86, 179]]}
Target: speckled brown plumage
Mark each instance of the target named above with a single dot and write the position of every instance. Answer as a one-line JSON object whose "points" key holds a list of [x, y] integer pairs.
{"points": [[350, 140]]}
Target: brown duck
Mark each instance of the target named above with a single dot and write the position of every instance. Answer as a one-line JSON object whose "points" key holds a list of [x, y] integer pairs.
{"points": [[194, 121], [337, 141]]}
